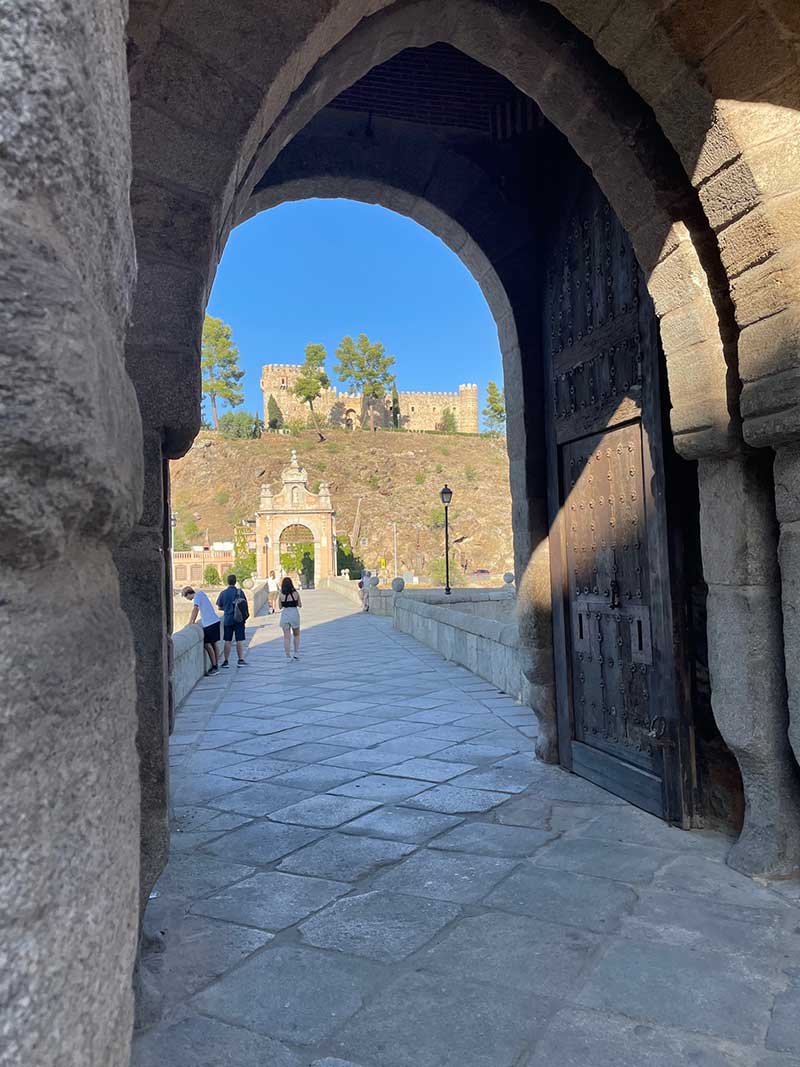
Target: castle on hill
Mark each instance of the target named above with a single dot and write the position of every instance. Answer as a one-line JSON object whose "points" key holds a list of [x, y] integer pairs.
{"points": [[418, 411]]}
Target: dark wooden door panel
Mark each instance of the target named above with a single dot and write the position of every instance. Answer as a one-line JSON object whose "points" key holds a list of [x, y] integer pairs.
{"points": [[619, 717]]}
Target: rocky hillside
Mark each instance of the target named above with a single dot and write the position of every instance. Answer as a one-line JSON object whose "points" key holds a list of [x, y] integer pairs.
{"points": [[397, 477]]}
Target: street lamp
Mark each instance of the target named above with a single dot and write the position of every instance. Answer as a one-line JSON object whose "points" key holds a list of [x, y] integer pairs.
{"points": [[446, 496]]}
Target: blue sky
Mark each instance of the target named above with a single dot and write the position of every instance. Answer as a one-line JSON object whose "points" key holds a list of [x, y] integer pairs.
{"points": [[319, 269]]}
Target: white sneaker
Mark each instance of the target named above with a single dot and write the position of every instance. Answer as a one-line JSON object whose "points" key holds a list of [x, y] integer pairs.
{"points": [[296, 656]]}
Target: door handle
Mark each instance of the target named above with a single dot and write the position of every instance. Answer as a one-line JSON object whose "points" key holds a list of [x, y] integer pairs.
{"points": [[615, 602]]}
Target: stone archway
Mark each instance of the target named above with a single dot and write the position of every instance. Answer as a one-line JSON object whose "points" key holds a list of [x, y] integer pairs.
{"points": [[644, 181], [300, 538], [207, 87], [322, 161]]}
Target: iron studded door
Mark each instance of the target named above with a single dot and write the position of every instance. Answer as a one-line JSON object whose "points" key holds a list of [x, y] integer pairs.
{"points": [[621, 723]]}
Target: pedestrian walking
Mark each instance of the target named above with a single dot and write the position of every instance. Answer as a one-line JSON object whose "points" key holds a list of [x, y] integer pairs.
{"points": [[234, 604], [208, 620], [272, 592], [290, 604], [363, 588]]}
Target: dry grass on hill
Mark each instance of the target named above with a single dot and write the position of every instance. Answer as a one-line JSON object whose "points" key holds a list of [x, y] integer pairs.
{"points": [[397, 476]]}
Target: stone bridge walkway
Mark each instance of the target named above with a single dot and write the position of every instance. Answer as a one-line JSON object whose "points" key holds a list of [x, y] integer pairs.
{"points": [[369, 868]]}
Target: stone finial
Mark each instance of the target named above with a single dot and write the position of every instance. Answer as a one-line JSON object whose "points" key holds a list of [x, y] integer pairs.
{"points": [[294, 462], [398, 584], [374, 581], [508, 578]]}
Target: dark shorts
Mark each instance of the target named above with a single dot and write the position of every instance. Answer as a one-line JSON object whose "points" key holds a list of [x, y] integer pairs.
{"points": [[236, 629], [211, 634]]}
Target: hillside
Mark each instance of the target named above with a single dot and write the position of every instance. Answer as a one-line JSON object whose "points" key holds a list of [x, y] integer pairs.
{"points": [[397, 476]]}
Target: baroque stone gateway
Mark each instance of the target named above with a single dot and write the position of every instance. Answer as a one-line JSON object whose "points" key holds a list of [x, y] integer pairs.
{"points": [[621, 180]]}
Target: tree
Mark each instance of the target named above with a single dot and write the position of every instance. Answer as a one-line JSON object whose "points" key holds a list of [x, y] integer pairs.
{"points": [[244, 557], [240, 424], [346, 559], [494, 414], [366, 368], [299, 559], [448, 422], [219, 364], [395, 408], [211, 575], [312, 379], [274, 414]]}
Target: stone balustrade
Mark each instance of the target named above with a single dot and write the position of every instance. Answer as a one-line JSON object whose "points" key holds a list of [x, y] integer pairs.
{"points": [[474, 627], [189, 662]]}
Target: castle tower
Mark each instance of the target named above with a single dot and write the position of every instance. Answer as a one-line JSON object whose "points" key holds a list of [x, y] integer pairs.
{"points": [[277, 379], [467, 413]]}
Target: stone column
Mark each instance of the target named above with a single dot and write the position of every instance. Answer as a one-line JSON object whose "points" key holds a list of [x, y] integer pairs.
{"points": [[142, 576], [745, 650], [787, 503], [70, 484]]}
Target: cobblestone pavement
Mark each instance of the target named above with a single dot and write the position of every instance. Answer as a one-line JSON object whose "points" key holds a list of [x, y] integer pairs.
{"points": [[370, 869]]}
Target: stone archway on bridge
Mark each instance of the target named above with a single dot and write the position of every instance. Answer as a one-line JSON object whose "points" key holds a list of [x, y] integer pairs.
{"points": [[282, 516], [671, 225], [214, 93]]}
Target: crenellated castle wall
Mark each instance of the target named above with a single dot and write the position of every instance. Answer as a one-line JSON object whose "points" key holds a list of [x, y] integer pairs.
{"points": [[418, 410]]}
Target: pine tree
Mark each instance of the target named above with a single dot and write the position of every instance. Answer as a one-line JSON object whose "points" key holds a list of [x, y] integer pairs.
{"points": [[219, 363], [364, 366], [312, 379], [274, 414], [494, 414]]}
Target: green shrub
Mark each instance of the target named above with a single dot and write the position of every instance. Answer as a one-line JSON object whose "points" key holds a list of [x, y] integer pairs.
{"points": [[439, 468], [221, 497], [436, 517], [240, 424], [211, 575], [295, 426], [373, 481], [419, 478], [436, 571], [470, 474], [448, 421]]}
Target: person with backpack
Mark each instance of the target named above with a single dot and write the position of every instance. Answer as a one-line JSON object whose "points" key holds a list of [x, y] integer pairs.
{"points": [[234, 603], [290, 603]]}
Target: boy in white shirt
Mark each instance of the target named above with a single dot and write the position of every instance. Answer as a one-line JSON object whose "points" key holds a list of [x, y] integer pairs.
{"points": [[209, 620]]}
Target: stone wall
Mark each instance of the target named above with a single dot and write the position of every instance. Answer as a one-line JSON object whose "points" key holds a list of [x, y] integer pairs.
{"points": [[457, 629], [188, 661], [418, 411]]}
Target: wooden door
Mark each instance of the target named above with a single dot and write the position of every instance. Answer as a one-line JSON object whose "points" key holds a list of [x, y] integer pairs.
{"points": [[621, 720]]}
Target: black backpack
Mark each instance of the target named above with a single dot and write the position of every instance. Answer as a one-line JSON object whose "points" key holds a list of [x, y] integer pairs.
{"points": [[241, 612]]}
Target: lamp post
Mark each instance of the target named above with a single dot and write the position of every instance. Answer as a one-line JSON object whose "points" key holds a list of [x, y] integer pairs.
{"points": [[446, 496]]}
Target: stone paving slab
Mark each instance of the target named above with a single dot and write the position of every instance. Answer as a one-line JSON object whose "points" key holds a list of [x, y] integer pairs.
{"points": [[270, 900], [378, 925], [371, 869]]}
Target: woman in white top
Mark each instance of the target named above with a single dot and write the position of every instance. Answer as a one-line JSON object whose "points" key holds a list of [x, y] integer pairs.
{"points": [[290, 603]]}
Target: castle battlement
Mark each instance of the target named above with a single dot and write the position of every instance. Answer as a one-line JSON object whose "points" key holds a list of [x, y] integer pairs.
{"points": [[418, 410]]}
